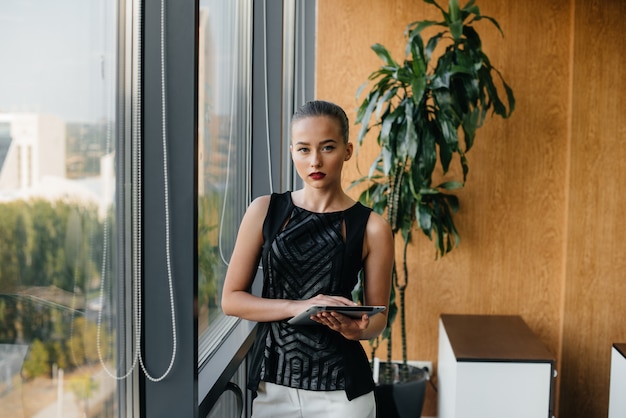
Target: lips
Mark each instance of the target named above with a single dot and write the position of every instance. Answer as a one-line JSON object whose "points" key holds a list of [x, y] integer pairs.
{"points": [[317, 176]]}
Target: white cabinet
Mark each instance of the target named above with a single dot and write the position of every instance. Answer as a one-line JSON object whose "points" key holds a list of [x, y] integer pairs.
{"points": [[617, 400], [492, 366]]}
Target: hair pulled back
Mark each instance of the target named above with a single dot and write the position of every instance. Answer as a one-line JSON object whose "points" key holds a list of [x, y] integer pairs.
{"points": [[317, 108]]}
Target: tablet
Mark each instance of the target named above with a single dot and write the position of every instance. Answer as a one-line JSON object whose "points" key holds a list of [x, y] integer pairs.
{"points": [[304, 318]]}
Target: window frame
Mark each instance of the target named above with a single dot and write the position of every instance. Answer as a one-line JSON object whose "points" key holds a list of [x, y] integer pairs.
{"points": [[177, 394]]}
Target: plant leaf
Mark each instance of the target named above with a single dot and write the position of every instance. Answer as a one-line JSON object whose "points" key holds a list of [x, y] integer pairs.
{"points": [[365, 115], [387, 160], [425, 219], [416, 28], [384, 55], [492, 20], [432, 44], [385, 101], [450, 185]]}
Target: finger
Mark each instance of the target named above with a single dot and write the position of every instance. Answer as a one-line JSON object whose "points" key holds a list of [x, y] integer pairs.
{"points": [[340, 300]]}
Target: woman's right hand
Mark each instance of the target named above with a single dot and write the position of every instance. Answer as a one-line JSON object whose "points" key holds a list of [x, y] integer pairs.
{"points": [[327, 300]]}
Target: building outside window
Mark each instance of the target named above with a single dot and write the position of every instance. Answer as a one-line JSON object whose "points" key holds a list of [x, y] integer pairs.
{"points": [[58, 309]]}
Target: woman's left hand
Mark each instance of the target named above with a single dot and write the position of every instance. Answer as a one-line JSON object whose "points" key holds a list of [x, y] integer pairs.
{"points": [[350, 328]]}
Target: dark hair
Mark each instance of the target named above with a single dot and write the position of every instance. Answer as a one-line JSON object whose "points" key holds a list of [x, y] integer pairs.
{"points": [[322, 108]]}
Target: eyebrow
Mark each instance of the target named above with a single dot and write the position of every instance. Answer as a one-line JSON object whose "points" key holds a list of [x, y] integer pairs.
{"points": [[324, 142]]}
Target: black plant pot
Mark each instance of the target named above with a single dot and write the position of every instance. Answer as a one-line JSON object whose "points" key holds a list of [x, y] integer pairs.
{"points": [[402, 396]]}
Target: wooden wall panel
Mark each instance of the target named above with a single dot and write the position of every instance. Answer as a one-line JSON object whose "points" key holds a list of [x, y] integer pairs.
{"points": [[594, 310], [540, 216]]}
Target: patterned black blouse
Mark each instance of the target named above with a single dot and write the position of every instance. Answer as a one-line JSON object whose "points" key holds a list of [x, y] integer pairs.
{"points": [[305, 254]]}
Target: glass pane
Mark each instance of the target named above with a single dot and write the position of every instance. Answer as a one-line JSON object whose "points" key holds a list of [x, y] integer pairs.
{"points": [[231, 402], [223, 132], [57, 225]]}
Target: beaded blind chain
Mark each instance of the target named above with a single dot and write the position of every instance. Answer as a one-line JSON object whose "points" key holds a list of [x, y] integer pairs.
{"points": [[137, 221]]}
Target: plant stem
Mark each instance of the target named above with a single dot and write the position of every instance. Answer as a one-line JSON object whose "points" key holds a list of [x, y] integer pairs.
{"points": [[388, 368], [402, 289]]}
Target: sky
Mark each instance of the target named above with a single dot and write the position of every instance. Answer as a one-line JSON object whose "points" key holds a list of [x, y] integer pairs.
{"points": [[56, 57]]}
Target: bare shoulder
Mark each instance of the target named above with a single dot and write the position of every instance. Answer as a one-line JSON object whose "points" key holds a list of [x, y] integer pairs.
{"points": [[255, 214], [261, 204], [378, 227], [377, 233]]}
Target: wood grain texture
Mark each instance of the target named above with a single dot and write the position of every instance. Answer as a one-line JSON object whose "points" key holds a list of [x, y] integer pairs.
{"points": [[594, 309], [494, 338], [541, 215]]}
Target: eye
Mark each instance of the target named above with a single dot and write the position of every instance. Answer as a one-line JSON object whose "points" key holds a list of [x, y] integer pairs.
{"points": [[328, 147], [302, 149]]}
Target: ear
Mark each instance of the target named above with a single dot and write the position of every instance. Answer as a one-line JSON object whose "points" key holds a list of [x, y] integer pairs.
{"points": [[349, 150]]}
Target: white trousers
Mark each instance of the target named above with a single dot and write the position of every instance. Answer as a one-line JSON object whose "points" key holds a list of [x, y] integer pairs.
{"points": [[276, 401]]}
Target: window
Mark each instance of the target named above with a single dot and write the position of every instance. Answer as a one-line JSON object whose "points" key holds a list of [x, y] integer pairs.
{"points": [[76, 237], [245, 105], [59, 245], [224, 137]]}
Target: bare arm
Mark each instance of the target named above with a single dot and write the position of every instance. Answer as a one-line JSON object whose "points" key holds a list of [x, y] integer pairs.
{"points": [[378, 266]]}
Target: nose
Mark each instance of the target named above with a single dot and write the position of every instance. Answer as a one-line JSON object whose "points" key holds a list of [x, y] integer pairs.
{"points": [[316, 161]]}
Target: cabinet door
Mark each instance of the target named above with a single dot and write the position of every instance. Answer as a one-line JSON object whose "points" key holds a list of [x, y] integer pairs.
{"points": [[503, 389], [617, 400]]}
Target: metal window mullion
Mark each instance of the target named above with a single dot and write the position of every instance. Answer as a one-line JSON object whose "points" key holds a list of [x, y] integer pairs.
{"points": [[177, 394], [127, 78]]}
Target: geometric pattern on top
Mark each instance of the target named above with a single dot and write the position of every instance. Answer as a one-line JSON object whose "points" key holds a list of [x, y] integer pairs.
{"points": [[306, 256], [305, 260]]}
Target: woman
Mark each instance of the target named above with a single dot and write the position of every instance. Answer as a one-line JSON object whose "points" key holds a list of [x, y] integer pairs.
{"points": [[312, 242]]}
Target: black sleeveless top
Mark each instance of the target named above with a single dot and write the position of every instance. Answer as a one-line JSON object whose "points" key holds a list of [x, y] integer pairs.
{"points": [[305, 254]]}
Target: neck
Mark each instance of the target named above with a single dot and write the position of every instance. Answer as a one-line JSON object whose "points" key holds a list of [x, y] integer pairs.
{"points": [[322, 200]]}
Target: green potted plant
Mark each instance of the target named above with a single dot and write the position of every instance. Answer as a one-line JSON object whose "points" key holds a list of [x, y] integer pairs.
{"points": [[424, 112]]}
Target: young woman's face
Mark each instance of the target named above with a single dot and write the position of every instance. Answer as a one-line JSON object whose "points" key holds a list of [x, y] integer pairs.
{"points": [[318, 150]]}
